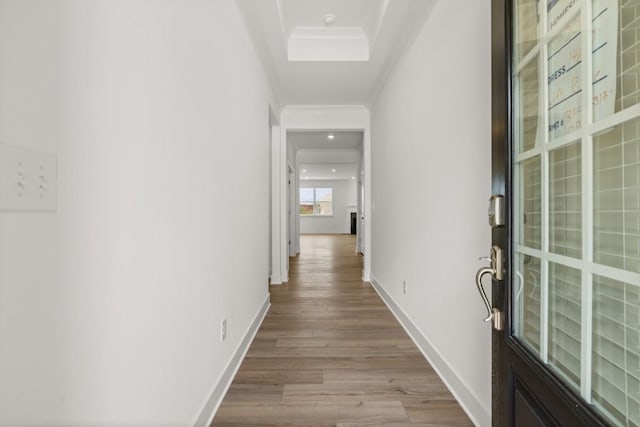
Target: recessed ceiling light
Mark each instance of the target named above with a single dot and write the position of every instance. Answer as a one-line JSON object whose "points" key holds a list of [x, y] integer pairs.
{"points": [[304, 171], [331, 136], [329, 19], [333, 170], [353, 177]]}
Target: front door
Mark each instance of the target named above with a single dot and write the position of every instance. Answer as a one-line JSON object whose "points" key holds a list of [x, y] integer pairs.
{"points": [[566, 158]]}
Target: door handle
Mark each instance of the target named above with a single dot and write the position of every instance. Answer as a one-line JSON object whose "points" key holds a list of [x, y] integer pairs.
{"points": [[479, 275], [496, 272]]}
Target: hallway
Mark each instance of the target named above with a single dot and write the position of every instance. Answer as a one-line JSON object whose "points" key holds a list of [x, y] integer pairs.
{"points": [[330, 353], [152, 155]]}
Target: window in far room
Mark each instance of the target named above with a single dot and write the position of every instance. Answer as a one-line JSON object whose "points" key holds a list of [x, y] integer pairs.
{"points": [[316, 201]]}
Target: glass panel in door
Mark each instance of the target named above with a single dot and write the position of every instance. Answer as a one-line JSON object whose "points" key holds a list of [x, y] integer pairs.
{"points": [[576, 215]]}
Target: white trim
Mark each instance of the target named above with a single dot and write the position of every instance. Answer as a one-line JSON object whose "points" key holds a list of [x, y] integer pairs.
{"points": [[529, 154], [284, 206], [526, 60], [276, 238], [336, 117], [323, 33], [368, 202], [576, 263], [586, 151], [470, 403], [276, 279], [544, 310], [568, 139], [614, 273], [616, 119], [586, 337], [283, 23], [618, 274], [544, 244], [543, 70], [220, 390], [529, 251]]}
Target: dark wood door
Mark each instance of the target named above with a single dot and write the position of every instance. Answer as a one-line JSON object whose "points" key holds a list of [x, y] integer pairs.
{"points": [[566, 156]]}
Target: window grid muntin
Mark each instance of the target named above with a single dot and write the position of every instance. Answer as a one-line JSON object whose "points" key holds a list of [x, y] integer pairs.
{"points": [[316, 202]]}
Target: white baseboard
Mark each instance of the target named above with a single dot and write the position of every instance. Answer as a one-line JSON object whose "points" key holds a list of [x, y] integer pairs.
{"points": [[220, 390], [366, 277], [467, 400], [275, 279]]}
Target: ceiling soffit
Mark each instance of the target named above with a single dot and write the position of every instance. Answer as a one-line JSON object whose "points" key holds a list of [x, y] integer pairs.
{"points": [[330, 30], [341, 64]]}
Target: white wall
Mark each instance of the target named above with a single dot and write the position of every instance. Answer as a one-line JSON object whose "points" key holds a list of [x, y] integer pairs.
{"points": [[431, 182], [110, 307], [344, 195]]}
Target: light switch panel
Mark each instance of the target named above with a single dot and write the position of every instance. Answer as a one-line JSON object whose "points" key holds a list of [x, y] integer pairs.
{"points": [[28, 179]]}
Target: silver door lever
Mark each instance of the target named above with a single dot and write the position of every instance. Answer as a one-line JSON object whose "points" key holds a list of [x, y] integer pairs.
{"points": [[483, 295], [496, 271]]}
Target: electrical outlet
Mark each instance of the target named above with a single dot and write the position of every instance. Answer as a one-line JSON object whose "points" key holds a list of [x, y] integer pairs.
{"points": [[223, 330], [404, 287], [27, 180]]}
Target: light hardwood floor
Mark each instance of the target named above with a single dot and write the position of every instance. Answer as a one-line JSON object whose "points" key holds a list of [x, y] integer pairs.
{"points": [[330, 353]]}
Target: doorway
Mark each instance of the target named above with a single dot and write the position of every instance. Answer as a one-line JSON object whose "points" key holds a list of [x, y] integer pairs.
{"points": [[327, 165], [353, 222]]}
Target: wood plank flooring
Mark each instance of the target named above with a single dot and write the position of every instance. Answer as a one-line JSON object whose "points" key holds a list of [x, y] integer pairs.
{"points": [[330, 353]]}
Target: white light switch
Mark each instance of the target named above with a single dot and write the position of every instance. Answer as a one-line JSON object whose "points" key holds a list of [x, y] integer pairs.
{"points": [[27, 179]]}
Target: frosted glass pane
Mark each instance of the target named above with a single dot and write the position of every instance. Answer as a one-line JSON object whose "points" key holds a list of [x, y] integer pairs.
{"points": [[616, 56], [527, 300], [527, 20], [528, 99], [323, 194], [616, 349], [530, 218], [306, 195], [564, 63], [565, 216], [616, 193], [565, 284], [555, 81]]}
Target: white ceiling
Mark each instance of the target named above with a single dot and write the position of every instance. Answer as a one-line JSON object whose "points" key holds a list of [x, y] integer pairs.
{"points": [[315, 140], [323, 171], [389, 25], [319, 156], [341, 64], [349, 13]]}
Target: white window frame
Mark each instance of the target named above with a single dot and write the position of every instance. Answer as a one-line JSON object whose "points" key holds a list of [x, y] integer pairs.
{"points": [[315, 201]]}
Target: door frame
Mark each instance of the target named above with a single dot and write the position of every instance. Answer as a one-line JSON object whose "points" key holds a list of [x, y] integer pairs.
{"points": [[512, 363], [327, 118], [292, 188]]}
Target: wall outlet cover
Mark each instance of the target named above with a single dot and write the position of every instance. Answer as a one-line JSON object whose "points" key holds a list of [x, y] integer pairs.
{"points": [[28, 179]]}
